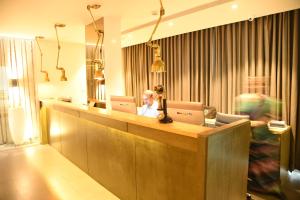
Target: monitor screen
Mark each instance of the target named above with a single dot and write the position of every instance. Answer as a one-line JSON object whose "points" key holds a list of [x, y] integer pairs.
{"points": [[188, 112], [123, 104]]}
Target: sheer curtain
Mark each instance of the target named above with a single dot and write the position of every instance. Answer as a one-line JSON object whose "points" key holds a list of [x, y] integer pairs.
{"points": [[212, 66], [17, 90]]}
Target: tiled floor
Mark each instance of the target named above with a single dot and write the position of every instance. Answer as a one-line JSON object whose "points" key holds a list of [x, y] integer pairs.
{"points": [[40, 173], [4, 147]]}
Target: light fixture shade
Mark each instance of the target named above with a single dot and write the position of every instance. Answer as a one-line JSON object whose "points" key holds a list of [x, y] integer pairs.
{"points": [[158, 65], [46, 77], [63, 75], [13, 82], [63, 78], [99, 75]]}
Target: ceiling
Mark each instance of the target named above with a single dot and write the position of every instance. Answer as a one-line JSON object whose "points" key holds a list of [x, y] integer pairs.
{"points": [[28, 18]]}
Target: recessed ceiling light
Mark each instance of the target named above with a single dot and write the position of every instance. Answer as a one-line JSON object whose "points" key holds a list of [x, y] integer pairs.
{"points": [[154, 12], [127, 36], [171, 23], [114, 41], [234, 6]]}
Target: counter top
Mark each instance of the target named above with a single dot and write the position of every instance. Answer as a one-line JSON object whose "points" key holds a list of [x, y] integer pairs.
{"points": [[185, 129], [179, 134]]}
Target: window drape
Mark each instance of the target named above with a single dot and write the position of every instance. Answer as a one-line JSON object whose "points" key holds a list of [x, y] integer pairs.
{"points": [[18, 89], [212, 66]]}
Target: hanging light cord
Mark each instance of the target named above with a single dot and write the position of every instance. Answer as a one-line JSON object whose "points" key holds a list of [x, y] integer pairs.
{"points": [[41, 54], [161, 13], [94, 22], [101, 46], [100, 34], [58, 52]]}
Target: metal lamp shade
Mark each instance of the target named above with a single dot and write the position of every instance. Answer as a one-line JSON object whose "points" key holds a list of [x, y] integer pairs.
{"points": [[13, 83], [46, 77], [158, 65], [63, 75], [99, 75], [63, 78]]}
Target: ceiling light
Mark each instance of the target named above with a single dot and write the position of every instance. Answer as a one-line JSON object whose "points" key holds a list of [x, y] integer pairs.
{"points": [[234, 6], [99, 74], [113, 41], [158, 65], [98, 64], [171, 24]]}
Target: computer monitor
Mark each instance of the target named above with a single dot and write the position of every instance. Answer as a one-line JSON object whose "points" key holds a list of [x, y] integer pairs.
{"points": [[188, 112], [123, 104]]}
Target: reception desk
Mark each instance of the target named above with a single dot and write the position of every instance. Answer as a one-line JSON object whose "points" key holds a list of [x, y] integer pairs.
{"points": [[136, 157]]}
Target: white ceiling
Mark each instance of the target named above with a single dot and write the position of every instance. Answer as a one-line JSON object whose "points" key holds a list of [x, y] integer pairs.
{"points": [[28, 18]]}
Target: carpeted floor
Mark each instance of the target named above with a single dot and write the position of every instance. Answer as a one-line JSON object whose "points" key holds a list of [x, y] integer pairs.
{"points": [[291, 189]]}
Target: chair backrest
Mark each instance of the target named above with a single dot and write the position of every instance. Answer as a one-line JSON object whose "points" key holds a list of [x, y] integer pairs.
{"points": [[188, 112], [223, 118], [123, 104]]}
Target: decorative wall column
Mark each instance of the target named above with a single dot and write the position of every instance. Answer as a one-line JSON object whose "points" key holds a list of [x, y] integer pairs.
{"points": [[114, 71]]}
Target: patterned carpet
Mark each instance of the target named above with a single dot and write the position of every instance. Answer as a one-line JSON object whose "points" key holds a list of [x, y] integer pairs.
{"points": [[291, 189]]}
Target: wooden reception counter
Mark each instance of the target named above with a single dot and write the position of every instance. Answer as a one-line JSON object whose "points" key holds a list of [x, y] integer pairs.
{"points": [[136, 157]]}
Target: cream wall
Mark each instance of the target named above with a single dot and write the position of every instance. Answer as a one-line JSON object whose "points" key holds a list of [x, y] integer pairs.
{"points": [[114, 69], [72, 59]]}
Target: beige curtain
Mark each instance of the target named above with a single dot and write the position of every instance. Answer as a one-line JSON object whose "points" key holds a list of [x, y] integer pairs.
{"points": [[212, 66], [17, 78]]}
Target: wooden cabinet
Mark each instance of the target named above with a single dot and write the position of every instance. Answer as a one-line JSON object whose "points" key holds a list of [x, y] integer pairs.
{"points": [[111, 159], [67, 135], [54, 129], [138, 158], [73, 139]]}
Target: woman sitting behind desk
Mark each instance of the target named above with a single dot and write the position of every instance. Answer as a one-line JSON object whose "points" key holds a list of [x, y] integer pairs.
{"points": [[149, 109]]}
